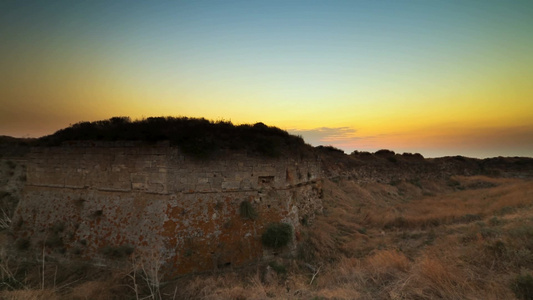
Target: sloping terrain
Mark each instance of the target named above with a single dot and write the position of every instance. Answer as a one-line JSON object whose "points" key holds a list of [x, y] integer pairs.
{"points": [[393, 227], [378, 241], [467, 237]]}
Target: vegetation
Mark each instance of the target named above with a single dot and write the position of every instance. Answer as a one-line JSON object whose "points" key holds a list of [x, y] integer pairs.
{"points": [[279, 268], [247, 211], [370, 243], [330, 149], [385, 152], [277, 235], [523, 287], [195, 137], [460, 237]]}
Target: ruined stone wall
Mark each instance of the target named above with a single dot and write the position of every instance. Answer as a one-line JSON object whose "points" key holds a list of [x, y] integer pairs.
{"points": [[98, 201]]}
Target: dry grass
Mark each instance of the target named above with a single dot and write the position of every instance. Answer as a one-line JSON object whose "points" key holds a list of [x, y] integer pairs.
{"points": [[98, 290], [374, 241], [463, 206], [28, 295], [387, 261], [463, 244], [433, 278]]}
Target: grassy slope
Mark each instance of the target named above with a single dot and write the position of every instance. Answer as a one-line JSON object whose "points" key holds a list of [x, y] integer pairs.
{"points": [[374, 241], [467, 244], [464, 244]]}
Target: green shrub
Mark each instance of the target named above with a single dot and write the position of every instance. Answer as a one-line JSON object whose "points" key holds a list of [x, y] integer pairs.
{"points": [[395, 182], [278, 268], [498, 249], [247, 211], [277, 235], [523, 287], [523, 232], [494, 221], [416, 182], [489, 232]]}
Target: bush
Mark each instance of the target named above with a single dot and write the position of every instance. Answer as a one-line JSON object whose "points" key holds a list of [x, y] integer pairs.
{"points": [[498, 249], [199, 138], [494, 221], [523, 287], [247, 211], [385, 152], [278, 268], [331, 149], [277, 235]]}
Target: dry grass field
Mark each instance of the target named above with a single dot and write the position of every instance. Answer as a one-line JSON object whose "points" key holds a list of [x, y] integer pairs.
{"points": [[461, 238]]}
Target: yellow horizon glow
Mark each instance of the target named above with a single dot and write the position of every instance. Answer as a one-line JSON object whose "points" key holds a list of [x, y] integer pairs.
{"points": [[393, 75]]}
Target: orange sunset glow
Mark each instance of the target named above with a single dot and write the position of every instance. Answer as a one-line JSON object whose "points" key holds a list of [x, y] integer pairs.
{"points": [[434, 77]]}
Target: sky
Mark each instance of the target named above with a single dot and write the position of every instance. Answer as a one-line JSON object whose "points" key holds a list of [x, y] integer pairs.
{"points": [[433, 77]]}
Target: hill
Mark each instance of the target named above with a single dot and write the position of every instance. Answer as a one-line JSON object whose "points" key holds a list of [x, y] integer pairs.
{"points": [[196, 137]]}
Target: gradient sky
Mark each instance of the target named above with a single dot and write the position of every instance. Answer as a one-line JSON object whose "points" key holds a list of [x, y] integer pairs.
{"points": [[434, 77]]}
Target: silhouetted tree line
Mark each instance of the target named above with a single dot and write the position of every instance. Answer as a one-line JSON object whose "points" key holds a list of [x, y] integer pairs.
{"points": [[196, 137]]}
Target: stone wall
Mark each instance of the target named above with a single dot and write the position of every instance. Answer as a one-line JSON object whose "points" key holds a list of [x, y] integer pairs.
{"points": [[99, 201]]}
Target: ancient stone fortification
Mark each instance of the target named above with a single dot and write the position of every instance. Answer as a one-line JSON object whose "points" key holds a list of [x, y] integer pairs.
{"points": [[99, 201]]}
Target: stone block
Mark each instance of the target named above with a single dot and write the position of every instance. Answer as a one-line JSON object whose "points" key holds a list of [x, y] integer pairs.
{"points": [[138, 185], [230, 185], [156, 198]]}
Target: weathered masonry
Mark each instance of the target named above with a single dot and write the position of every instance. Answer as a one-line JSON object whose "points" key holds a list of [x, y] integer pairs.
{"points": [[93, 200]]}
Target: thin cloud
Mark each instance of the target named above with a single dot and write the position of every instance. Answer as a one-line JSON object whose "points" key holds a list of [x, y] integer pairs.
{"points": [[442, 141], [327, 135]]}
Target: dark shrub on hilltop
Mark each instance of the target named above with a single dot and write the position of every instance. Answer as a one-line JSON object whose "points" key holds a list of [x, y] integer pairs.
{"points": [[196, 137], [385, 152], [330, 149], [416, 156], [361, 153]]}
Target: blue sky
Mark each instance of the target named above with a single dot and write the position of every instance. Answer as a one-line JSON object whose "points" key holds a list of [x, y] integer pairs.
{"points": [[417, 76]]}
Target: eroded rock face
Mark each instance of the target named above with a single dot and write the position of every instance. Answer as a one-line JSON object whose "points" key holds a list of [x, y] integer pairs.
{"points": [[102, 201]]}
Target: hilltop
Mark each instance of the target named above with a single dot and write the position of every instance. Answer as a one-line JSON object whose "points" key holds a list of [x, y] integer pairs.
{"points": [[194, 136]]}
